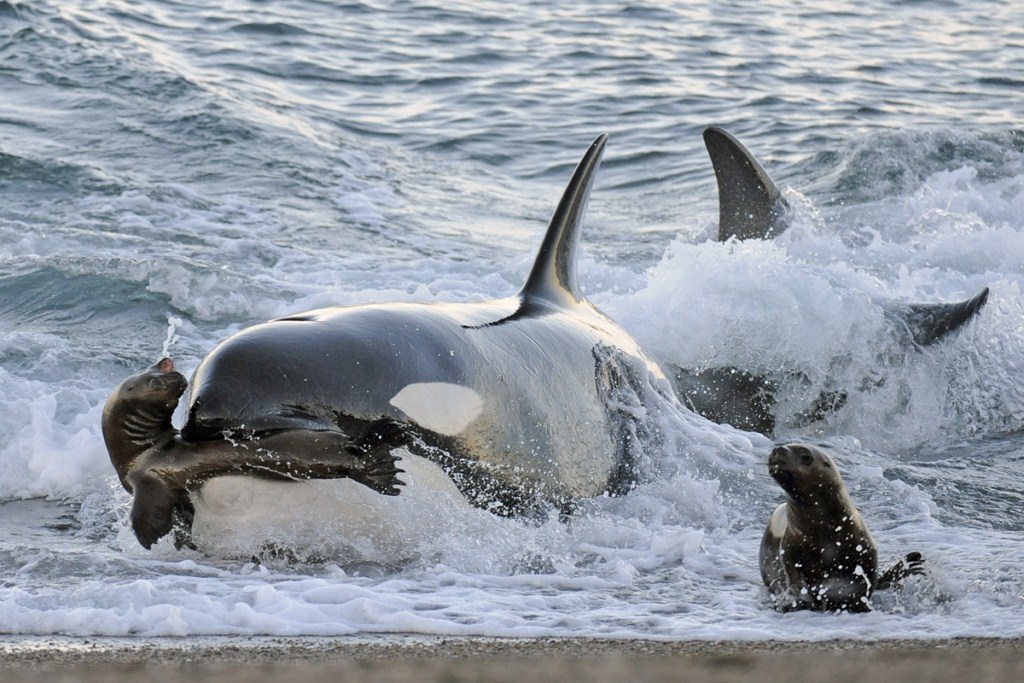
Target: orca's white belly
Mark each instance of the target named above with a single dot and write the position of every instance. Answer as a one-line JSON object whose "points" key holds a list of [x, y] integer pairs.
{"points": [[333, 519]]}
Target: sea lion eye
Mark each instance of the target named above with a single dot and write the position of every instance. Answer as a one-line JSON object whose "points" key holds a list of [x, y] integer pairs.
{"points": [[807, 459]]}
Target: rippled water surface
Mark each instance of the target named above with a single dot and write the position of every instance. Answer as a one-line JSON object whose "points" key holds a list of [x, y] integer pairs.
{"points": [[171, 172]]}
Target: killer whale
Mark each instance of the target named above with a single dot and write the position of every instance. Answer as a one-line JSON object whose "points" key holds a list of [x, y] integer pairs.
{"points": [[513, 399], [751, 206]]}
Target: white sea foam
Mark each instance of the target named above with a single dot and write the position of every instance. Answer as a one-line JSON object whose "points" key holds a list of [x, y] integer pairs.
{"points": [[48, 438], [676, 558]]}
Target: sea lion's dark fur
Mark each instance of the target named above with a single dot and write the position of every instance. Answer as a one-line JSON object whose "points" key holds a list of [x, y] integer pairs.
{"points": [[817, 552]]}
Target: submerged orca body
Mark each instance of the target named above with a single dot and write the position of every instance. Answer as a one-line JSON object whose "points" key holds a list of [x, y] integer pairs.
{"points": [[511, 398], [751, 206]]}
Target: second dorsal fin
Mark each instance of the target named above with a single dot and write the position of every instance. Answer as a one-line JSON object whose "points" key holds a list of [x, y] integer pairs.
{"points": [[553, 276], [750, 205]]}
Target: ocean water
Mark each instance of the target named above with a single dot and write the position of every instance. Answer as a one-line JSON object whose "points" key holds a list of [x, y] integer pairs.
{"points": [[171, 173]]}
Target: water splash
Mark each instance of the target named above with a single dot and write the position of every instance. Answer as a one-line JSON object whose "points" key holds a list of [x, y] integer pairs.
{"points": [[173, 323]]}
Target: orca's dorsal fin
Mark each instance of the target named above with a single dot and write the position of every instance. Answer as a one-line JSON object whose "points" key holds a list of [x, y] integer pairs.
{"points": [[750, 205], [552, 279]]}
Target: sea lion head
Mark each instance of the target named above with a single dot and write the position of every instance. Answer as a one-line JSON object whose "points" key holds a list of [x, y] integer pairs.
{"points": [[158, 387], [807, 474], [138, 413]]}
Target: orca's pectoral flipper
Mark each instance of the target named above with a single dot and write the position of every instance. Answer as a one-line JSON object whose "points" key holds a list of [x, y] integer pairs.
{"points": [[928, 323], [750, 205], [552, 279]]}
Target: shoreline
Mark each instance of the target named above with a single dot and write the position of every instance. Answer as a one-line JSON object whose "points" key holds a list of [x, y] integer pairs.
{"points": [[422, 658]]}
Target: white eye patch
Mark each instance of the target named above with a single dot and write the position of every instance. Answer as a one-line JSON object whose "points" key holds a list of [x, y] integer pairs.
{"points": [[439, 406]]}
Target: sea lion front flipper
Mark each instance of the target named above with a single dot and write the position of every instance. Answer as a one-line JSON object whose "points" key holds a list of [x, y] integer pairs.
{"points": [[373, 449], [913, 563], [312, 454], [162, 482], [383, 433], [152, 508]]}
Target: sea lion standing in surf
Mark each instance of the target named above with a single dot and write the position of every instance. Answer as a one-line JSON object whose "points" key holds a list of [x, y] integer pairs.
{"points": [[159, 468], [817, 552]]}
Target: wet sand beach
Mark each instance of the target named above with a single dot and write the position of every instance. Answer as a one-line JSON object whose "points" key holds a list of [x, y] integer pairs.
{"points": [[227, 660]]}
